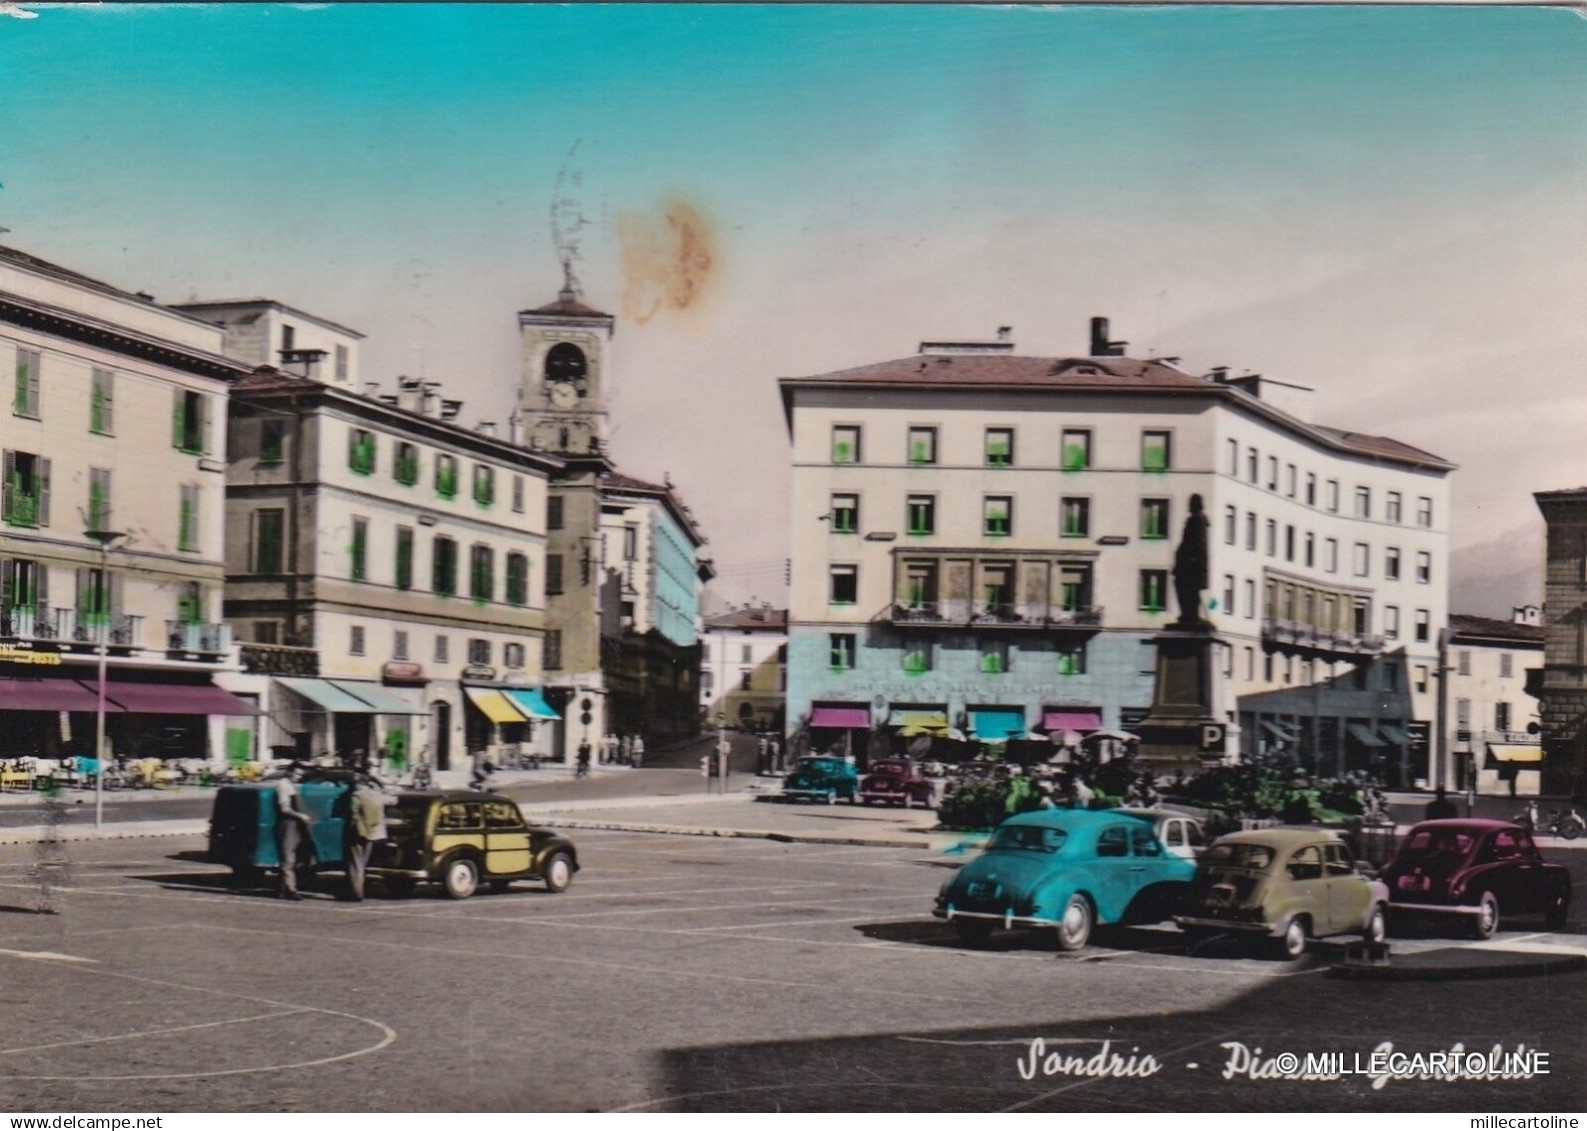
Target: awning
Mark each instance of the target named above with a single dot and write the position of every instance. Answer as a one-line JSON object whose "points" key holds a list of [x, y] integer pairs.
{"points": [[530, 702], [1279, 731], [379, 699], [841, 718], [919, 721], [1516, 753], [50, 695], [1055, 721], [494, 705], [327, 696], [1393, 735], [997, 725], [1365, 736], [176, 699]]}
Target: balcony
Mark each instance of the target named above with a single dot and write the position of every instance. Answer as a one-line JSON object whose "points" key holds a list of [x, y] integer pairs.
{"points": [[962, 614], [191, 636], [280, 659], [27, 623], [118, 630], [1289, 634]]}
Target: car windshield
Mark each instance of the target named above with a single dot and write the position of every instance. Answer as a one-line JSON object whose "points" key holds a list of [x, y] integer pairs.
{"points": [[1454, 843], [821, 765], [1030, 838], [887, 767], [1252, 857]]}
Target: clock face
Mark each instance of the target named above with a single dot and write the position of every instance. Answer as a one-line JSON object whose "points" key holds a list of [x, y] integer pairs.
{"points": [[563, 395]]}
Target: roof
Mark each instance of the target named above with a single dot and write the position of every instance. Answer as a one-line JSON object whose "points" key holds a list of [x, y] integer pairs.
{"points": [[1093, 374], [19, 258], [1071, 819], [567, 305], [769, 620], [1466, 629], [220, 304], [615, 482], [1280, 836]]}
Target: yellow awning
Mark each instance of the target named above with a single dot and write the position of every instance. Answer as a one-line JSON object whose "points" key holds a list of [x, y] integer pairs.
{"points": [[1516, 753], [494, 705], [912, 723]]}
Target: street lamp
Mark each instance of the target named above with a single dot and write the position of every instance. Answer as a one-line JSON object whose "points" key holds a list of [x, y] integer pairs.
{"points": [[102, 607]]}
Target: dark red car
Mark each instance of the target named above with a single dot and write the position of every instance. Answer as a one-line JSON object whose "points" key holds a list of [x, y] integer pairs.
{"points": [[1475, 871], [898, 781]]}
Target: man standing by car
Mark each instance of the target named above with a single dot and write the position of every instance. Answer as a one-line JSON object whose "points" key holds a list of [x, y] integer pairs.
{"points": [[366, 825], [292, 829]]}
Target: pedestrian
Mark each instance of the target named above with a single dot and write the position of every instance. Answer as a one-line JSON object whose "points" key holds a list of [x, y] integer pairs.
{"points": [[293, 827], [366, 827], [584, 760], [636, 756], [762, 756], [776, 754], [637, 749], [612, 747], [625, 747], [1440, 808]]}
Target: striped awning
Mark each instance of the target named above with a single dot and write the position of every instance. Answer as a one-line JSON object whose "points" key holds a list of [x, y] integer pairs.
{"points": [[530, 702], [327, 696], [494, 705], [919, 721]]}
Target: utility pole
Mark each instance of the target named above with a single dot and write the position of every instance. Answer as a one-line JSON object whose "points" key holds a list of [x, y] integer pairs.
{"points": [[101, 608]]}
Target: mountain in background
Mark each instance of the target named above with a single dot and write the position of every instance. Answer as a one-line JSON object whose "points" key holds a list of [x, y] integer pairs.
{"points": [[1490, 578]]}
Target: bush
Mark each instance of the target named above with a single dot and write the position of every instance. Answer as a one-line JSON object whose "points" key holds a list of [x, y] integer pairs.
{"points": [[983, 803]]}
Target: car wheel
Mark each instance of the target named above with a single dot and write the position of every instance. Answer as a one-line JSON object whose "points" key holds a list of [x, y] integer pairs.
{"points": [[1074, 925], [400, 887], [1554, 918], [1293, 943], [1570, 830], [1487, 918], [973, 932], [1377, 928], [558, 872], [461, 878]]}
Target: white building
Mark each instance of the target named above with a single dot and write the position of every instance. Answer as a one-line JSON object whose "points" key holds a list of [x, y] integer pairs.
{"points": [[1493, 732], [262, 331], [985, 541], [115, 424], [744, 667]]}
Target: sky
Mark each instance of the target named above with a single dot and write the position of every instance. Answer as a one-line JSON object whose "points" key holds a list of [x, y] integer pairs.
{"points": [[1383, 203]]}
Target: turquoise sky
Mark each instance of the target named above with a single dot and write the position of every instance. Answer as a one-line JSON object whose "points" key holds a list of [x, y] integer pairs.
{"points": [[871, 175]]}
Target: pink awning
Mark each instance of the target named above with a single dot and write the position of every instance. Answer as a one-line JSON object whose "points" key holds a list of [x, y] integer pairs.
{"points": [[177, 699], [1072, 720], [842, 718], [50, 695]]}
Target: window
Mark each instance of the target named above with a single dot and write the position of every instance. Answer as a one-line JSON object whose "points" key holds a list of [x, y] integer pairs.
{"points": [[1250, 663], [1311, 549], [484, 484], [266, 632], [917, 656], [1272, 473], [746, 654], [517, 579], [1076, 517], [1114, 841], [289, 335], [997, 515], [1391, 622], [512, 656], [840, 654], [361, 451], [1423, 626], [1501, 716], [355, 640], [1289, 480], [272, 439], [443, 648], [920, 585], [746, 677], [1075, 583], [1154, 590], [341, 363], [268, 528], [994, 657], [481, 573], [1154, 518], [1391, 563], [1072, 659], [553, 574], [517, 494], [1424, 567], [922, 514], [845, 443], [1311, 489], [95, 599], [403, 570], [1289, 543], [102, 402], [405, 465], [1361, 561], [98, 513], [922, 445], [1228, 593], [399, 644], [1392, 507], [26, 401], [1506, 665], [843, 584], [479, 652], [1156, 453], [1231, 525], [1272, 538], [554, 519], [1332, 496], [1424, 511], [1463, 712], [26, 585], [1076, 449], [997, 588], [1421, 677], [630, 542], [1234, 458], [359, 550], [1251, 463], [443, 566], [1363, 502], [1463, 661], [190, 422], [845, 514], [1250, 599], [1250, 530], [1267, 667], [187, 537], [1000, 447], [446, 476], [1331, 555], [552, 658]]}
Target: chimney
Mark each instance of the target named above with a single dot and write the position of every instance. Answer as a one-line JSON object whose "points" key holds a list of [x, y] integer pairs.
{"points": [[486, 428], [1005, 333], [515, 429], [372, 389], [430, 403], [450, 408], [1101, 344], [1220, 374]]}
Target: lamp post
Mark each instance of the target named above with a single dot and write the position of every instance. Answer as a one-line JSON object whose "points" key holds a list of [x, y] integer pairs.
{"points": [[101, 604]]}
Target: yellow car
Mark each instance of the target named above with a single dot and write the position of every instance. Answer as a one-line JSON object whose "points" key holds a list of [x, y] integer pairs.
{"points": [[462, 839]]}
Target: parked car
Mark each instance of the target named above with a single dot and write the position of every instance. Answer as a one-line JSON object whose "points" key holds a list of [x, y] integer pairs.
{"points": [[898, 781], [461, 839], [1180, 833], [1475, 871], [1288, 883], [242, 825], [1066, 870], [822, 779]]}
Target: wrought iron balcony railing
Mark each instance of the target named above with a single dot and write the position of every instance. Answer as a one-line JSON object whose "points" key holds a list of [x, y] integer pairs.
{"points": [[190, 636], [280, 659], [990, 614], [1309, 637]]}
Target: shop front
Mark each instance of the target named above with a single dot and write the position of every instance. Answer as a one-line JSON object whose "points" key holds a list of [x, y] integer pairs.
{"points": [[345, 719], [508, 726], [843, 729]]}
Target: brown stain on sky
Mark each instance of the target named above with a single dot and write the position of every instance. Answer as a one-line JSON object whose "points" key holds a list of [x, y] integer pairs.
{"points": [[670, 260]]}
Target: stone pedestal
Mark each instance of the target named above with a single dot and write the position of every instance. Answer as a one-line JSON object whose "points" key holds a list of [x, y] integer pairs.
{"points": [[1181, 729]]}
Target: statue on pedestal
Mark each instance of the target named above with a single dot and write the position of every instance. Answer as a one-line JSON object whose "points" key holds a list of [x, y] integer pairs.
{"points": [[1190, 565]]}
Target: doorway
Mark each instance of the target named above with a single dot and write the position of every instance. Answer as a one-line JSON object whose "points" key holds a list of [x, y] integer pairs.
{"points": [[442, 733]]}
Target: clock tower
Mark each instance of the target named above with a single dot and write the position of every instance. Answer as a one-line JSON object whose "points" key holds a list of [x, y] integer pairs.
{"points": [[566, 347]]}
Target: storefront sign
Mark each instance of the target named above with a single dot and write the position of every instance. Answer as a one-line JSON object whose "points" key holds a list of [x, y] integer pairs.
{"points": [[402, 671], [479, 671], [12, 655]]}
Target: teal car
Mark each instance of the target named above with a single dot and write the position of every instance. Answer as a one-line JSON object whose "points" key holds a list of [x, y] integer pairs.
{"points": [[1066, 870], [242, 825], [822, 779]]}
